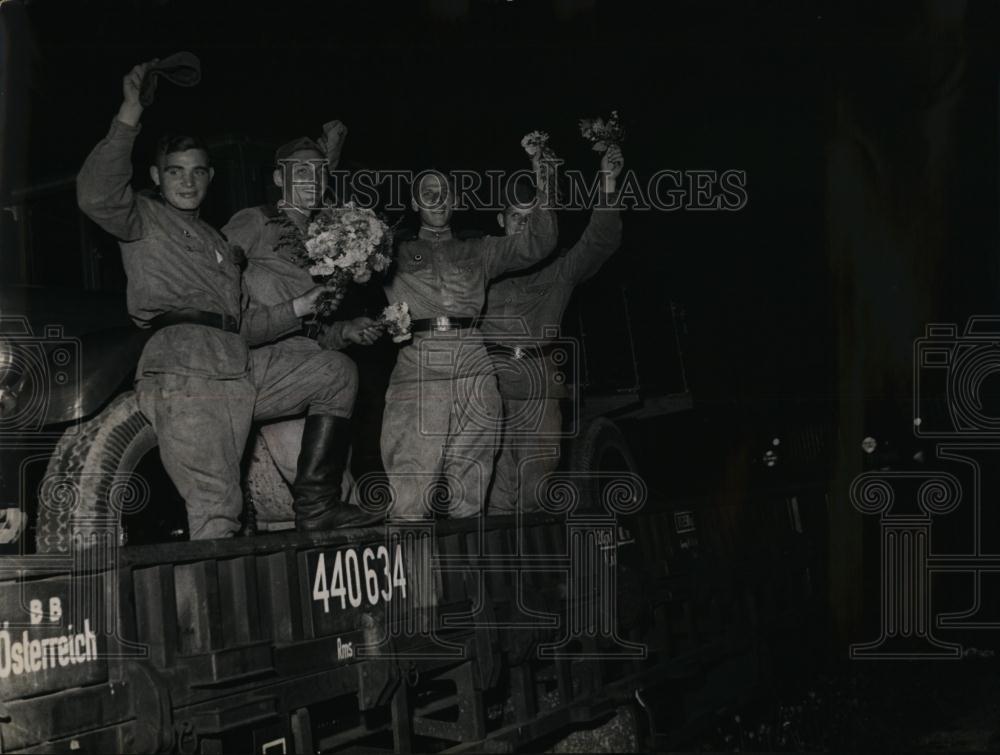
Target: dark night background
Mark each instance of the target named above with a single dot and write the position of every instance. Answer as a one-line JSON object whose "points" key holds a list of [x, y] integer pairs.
{"points": [[868, 133], [702, 85]]}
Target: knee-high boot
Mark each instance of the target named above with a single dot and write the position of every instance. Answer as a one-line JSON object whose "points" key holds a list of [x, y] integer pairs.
{"points": [[320, 474]]}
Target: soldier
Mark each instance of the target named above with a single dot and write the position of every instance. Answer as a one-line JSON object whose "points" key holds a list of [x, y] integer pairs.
{"points": [[269, 236], [531, 305], [197, 380], [442, 407]]}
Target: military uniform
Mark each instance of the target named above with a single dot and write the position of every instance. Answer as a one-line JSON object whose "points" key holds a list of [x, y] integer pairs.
{"points": [[199, 384], [442, 409], [523, 312], [273, 276]]}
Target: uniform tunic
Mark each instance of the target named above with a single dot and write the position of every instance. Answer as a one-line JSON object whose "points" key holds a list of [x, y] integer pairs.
{"points": [[442, 409], [172, 262], [527, 309], [200, 387], [273, 276]]}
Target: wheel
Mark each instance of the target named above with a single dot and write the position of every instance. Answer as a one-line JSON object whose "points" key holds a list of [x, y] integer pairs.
{"points": [[600, 456], [91, 473], [108, 469]]}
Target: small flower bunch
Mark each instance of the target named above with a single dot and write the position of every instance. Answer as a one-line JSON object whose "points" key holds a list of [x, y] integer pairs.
{"points": [[395, 320], [345, 244], [603, 133], [537, 143]]}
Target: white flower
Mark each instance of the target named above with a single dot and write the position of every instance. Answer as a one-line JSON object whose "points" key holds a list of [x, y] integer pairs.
{"points": [[396, 320], [602, 134], [535, 142], [347, 243]]}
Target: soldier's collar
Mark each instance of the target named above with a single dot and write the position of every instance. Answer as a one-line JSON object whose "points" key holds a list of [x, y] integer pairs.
{"points": [[296, 216], [434, 234]]}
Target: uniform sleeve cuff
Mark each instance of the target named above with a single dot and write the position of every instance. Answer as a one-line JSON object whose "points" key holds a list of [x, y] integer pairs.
{"points": [[119, 128], [284, 316]]}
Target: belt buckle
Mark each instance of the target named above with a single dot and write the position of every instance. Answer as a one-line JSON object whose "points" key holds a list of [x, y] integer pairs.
{"points": [[442, 324]]}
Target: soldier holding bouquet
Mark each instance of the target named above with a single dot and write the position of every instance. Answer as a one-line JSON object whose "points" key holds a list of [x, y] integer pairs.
{"points": [[272, 240]]}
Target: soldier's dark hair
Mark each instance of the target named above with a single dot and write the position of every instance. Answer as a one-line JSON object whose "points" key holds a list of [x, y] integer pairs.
{"points": [[170, 143]]}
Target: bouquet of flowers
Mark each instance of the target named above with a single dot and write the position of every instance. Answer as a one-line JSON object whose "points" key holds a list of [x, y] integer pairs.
{"points": [[395, 320], [602, 133], [345, 244], [537, 142]]}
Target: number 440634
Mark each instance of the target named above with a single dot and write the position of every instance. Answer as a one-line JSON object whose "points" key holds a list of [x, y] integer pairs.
{"points": [[381, 575]]}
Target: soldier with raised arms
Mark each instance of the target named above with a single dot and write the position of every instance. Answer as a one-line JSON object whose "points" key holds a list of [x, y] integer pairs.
{"points": [[523, 311], [197, 381], [442, 413]]}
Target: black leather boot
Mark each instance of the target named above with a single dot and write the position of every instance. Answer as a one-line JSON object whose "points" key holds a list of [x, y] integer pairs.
{"points": [[320, 475]]}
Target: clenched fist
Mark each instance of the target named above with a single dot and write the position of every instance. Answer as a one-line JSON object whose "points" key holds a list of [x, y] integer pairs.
{"points": [[332, 142], [362, 330], [329, 297], [611, 167]]}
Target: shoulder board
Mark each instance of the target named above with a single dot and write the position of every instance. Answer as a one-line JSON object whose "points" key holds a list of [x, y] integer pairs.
{"points": [[269, 211]]}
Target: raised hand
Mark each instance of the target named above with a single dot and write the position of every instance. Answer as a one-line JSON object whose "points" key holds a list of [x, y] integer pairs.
{"points": [[332, 142], [612, 163], [131, 108], [543, 170]]}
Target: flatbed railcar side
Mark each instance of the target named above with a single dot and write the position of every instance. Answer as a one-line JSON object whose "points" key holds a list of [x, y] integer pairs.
{"points": [[509, 631]]}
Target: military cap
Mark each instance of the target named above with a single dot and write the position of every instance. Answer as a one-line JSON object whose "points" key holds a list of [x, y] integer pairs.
{"points": [[288, 149]]}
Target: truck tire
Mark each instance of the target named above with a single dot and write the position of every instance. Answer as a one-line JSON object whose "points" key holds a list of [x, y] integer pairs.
{"points": [[90, 473], [600, 450]]}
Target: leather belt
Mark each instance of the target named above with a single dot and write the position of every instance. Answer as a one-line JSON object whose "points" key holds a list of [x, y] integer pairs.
{"points": [[441, 324], [227, 323], [527, 351]]}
